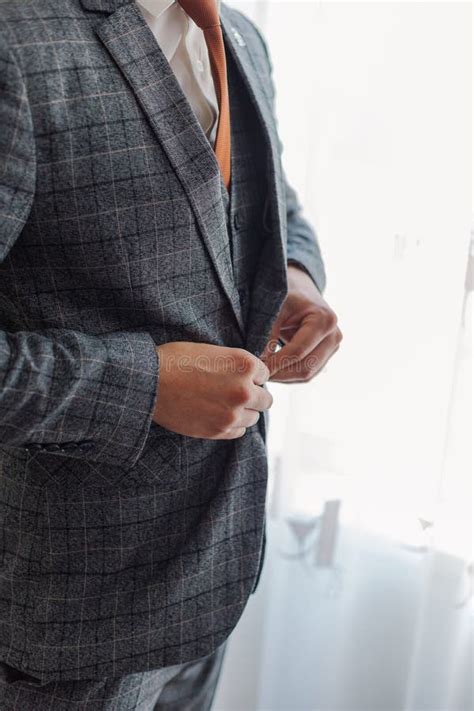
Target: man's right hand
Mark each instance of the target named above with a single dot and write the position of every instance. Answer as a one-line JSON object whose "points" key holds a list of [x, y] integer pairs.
{"points": [[208, 391]]}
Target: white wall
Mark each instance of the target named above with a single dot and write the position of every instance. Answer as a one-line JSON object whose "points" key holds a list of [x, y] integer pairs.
{"points": [[375, 114]]}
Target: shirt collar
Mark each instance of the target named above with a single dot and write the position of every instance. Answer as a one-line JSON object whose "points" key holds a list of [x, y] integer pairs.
{"points": [[158, 7]]}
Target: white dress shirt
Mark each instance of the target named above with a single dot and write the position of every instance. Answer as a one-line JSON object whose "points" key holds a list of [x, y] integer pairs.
{"points": [[183, 44]]}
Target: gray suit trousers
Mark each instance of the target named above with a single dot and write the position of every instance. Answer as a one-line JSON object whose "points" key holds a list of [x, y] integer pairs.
{"points": [[183, 687]]}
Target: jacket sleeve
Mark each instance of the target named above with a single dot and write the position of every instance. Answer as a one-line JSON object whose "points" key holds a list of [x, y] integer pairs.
{"points": [[62, 391], [302, 243]]}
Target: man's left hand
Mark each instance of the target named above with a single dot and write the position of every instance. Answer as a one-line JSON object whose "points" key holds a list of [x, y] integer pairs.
{"points": [[307, 326]]}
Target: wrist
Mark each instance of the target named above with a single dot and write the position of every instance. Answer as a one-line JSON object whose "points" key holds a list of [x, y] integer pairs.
{"points": [[296, 267], [299, 279]]}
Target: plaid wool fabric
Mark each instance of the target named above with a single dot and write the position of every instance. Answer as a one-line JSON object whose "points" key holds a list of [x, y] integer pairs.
{"points": [[186, 687], [125, 547]]}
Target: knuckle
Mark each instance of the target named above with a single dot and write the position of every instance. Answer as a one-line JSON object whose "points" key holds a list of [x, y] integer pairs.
{"points": [[246, 361], [329, 320], [312, 363], [339, 336], [241, 394], [309, 369]]}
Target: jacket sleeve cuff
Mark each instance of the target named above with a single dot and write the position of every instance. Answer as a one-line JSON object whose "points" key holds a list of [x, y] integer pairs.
{"points": [[313, 266], [126, 400]]}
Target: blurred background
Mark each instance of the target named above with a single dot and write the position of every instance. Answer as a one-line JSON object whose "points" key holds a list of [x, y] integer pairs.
{"points": [[366, 600]]}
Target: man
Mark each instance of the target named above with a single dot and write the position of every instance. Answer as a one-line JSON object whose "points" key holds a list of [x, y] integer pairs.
{"points": [[146, 230]]}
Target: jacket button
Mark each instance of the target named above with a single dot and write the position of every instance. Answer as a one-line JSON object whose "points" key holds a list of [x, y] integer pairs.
{"points": [[69, 446], [35, 447], [52, 447], [243, 296], [86, 445], [237, 221]]}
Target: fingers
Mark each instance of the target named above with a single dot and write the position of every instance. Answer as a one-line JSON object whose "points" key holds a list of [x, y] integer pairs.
{"points": [[306, 369], [260, 399], [247, 398], [247, 415], [248, 418], [261, 373], [235, 433], [250, 367], [313, 330]]}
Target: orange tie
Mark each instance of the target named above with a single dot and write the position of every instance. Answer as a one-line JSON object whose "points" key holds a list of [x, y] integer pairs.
{"points": [[206, 16]]}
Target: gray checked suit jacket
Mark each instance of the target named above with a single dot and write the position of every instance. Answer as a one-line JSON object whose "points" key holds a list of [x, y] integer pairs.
{"points": [[123, 546]]}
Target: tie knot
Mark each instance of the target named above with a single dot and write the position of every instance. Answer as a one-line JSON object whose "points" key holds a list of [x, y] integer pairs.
{"points": [[203, 12]]}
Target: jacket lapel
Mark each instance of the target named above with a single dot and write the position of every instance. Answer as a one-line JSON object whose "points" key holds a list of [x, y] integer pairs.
{"points": [[236, 43], [132, 45], [270, 283]]}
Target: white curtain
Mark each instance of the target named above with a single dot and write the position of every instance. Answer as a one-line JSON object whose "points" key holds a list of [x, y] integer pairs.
{"points": [[366, 599]]}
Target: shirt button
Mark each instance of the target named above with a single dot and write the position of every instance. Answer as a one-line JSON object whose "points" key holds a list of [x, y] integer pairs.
{"points": [[199, 65]]}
